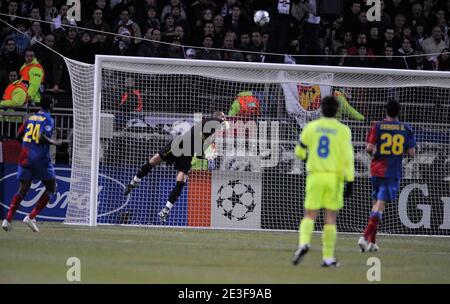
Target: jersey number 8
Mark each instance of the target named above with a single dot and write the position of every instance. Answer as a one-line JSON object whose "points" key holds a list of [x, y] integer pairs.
{"points": [[324, 147]]}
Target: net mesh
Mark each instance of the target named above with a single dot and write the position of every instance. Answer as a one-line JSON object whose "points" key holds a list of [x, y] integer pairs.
{"points": [[259, 184]]}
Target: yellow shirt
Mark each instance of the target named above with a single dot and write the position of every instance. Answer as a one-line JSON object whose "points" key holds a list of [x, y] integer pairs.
{"points": [[327, 144]]}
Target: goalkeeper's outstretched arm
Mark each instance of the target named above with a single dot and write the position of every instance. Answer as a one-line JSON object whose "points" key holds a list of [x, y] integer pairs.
{"points": [[301, 149]]}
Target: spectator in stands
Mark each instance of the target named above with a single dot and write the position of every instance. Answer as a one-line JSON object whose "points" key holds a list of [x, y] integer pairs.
{"points": [[362, 39], [386, 20], [208, 30], [35, 33], [396, 7], [442, 23], [399, 23], [35, 14], [175, 50], [101, 44], [151, 21], [443, 60], [363, 25], [230, 52], [51, 62], [362, 60], [106, 10], [374, 41], [257, 44], [168, 9], [310, 38], [151, 48], [22, 41], [245, 42], [389, 38], [419, 35], [206, 52], [179, 32], [98, 23], [50, 11], [416, 14], [428, 13], [407, 50], [219, 27], [390, 62], [351, 16], [86, 52], [168, 27], [122, 44], [32, 75], [69, 46], [12, 11], [407, 33], [237, 22], [179, 20], [348, 42], [57, 21], [9, 58], [196, 11], [421, 62], [434, 45], [130, 25], [342, 60]]}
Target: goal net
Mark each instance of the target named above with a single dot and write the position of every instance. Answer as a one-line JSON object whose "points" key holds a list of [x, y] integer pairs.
{"points": [[126, 109]]}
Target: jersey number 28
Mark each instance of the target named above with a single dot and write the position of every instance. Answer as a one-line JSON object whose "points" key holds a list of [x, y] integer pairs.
{"points": [[392, 144]]}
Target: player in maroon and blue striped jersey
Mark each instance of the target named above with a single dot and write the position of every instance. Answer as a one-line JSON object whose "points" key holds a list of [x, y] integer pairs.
{"points": [[35, 162], [388, 142]]}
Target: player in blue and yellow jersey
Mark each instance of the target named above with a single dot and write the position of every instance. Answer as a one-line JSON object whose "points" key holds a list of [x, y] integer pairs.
{"points": [[388, 141], [326, 146], [35, 162]]}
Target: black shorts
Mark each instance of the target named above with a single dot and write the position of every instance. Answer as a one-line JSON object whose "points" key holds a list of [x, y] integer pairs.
{"points": [[181, 163]]}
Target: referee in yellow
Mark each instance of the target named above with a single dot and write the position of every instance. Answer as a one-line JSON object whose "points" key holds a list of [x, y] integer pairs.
{"points": [[326, 146]]}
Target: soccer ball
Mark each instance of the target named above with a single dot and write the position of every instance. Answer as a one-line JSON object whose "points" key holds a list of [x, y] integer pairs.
{"points": [[236, 200], [261, 17]]}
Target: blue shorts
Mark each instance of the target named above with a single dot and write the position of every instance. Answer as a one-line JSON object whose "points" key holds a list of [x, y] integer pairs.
{"points": [[385, 189], [36, 173]]}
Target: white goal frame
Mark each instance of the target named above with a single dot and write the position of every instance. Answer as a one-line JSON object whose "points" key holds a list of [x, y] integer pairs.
{"points": [[409, 79]]}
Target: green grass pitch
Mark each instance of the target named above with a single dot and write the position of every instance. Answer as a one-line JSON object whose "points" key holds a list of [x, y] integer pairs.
{"points": [[156, 255]]}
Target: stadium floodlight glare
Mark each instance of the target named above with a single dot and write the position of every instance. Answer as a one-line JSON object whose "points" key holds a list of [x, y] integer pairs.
{"points": [[113, 137]]}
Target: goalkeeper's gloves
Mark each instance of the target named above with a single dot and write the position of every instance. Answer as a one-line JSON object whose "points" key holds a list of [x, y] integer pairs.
{"points": [[348, 191]]}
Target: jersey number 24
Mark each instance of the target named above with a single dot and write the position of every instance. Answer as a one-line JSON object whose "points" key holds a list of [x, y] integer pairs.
{"points": [[32, 133]]}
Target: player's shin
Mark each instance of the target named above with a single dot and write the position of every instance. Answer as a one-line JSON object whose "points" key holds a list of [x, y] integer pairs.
{"points": [[175, 194], [13, 206], [372, 226], [328, 241], [143, 171], [306, 230], [41, 203]]}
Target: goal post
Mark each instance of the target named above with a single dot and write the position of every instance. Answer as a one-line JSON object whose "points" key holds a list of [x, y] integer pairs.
{"points": [[127, 108]]}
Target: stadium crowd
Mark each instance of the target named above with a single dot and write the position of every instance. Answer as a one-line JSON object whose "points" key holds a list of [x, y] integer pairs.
{"points": [[222, 30]]}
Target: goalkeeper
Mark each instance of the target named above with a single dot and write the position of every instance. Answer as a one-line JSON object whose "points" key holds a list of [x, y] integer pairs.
{"points": [[326, 146], [182, 160]]}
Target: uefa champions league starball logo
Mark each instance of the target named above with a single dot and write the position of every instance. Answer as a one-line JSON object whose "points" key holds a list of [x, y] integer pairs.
{"points": [[236, 200]]}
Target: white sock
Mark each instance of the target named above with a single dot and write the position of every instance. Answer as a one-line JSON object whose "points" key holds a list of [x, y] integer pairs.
{"points": [[169, 205], [136, 180]]}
